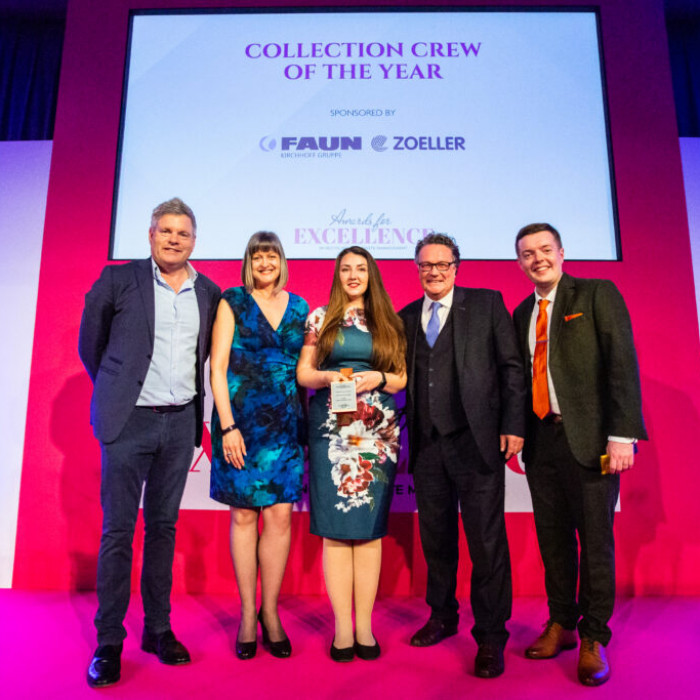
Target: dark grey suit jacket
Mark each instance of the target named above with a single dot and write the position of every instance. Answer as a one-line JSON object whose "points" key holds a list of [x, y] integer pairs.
{"points": [[593, 365], [489, 370], [116, 342]]}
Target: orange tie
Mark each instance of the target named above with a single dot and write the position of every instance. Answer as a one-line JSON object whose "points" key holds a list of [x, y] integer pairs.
{"points": [[540, 390]]}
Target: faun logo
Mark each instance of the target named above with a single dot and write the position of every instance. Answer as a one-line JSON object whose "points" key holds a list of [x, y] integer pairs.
{"points": [[311, 143], [268, 143], [321, 143]]}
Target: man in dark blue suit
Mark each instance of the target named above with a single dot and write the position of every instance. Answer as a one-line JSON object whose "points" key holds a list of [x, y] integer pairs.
{"points": [[465, 402], [144, 338], [584, 403]]}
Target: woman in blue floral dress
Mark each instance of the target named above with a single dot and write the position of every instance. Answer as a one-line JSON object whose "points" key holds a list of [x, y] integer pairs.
{"points": [[353, 456], [257, 460]]}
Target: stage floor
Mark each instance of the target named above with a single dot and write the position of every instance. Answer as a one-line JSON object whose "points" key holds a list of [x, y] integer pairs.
{"points": [[47, 641]]}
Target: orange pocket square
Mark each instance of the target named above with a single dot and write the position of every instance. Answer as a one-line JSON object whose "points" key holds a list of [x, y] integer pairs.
{"points": [[572, 317]]}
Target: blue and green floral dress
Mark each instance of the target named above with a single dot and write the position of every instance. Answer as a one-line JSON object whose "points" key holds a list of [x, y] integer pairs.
{"points": [[265, 404], [351, 467]]}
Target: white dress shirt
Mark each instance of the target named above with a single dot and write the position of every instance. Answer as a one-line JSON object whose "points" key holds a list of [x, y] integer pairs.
{"points": [[443, 311], [553, 402]]}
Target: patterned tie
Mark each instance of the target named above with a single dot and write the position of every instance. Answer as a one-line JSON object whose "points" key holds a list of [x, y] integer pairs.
{"points": [[433, 329], [540, 390]]}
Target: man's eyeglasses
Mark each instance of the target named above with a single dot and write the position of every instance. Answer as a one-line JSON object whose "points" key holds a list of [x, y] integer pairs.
{"points": [[166, 233], [439, 266]]}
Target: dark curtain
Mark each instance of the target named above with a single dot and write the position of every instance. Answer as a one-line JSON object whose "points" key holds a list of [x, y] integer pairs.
{"points": [[30, 62], [684, 49]]}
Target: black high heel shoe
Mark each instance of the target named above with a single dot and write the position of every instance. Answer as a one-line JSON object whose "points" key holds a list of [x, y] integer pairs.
{"points": [[245, 650], [281, 649]]}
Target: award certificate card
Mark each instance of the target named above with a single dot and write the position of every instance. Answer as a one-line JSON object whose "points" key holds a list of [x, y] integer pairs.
{"points": [[343, 397]]}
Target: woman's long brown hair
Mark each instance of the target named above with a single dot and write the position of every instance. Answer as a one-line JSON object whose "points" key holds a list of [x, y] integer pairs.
{"points": [[388, 338]]}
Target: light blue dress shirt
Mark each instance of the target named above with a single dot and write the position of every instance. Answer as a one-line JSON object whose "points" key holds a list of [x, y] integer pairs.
{"points": [[171, 378]]}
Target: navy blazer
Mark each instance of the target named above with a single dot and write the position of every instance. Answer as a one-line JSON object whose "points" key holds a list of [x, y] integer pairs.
{"points": [[116, 342], [489, 369], [593, 365]]}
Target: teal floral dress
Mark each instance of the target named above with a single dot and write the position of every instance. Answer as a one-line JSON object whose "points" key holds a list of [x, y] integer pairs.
{"points": [[266, 407], [351, 467]]}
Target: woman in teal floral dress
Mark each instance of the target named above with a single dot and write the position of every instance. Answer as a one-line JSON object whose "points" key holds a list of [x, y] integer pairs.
{"points": [[353, 456], [257, 460]]}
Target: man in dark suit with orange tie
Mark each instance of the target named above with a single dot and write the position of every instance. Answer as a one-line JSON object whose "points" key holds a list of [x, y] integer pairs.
{"points": [[465, 402], [585, 403]]}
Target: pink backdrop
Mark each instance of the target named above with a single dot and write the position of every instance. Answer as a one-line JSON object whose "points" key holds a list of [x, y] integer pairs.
{"points": [[657, 532]]}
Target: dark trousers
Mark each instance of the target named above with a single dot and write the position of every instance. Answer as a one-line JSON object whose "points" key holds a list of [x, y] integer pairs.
{"points": [[448, 472], [567, 499], [154, 449]]}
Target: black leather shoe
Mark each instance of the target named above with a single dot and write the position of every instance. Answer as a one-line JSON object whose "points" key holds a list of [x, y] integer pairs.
{"points": [[165, 647], [281, 649], [342, 655], [105, 667], [367, 653], [432, 632], [489, 661]]}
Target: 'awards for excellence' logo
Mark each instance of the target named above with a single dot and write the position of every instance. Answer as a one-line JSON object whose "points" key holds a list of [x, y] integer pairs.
{"points": [[377, 232]]}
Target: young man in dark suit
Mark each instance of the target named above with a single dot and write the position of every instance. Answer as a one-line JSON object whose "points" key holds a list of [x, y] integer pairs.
{"points": [[584, 403], [465, 402], [144, 338]]}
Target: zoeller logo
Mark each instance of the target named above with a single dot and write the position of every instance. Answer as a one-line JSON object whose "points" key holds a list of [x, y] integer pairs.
{"points": [[419, 143], [378, 143]]}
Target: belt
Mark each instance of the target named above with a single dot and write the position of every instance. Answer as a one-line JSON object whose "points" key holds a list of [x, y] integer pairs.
{"points": [[170, 408], [554, 418]]}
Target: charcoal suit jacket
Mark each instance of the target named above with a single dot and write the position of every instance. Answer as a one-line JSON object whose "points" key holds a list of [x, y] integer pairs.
{"points": [[593, 365], [488, 367]]}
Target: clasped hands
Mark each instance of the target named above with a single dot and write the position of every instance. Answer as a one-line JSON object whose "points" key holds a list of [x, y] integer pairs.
{"points": [[365, 381]]}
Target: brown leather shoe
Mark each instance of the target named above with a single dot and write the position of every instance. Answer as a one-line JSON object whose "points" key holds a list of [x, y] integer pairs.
{"points": [[551, 642], [593, 667]]}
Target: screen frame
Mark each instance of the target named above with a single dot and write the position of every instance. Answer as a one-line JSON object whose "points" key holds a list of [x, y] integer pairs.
{"points": [[285, 10]]}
